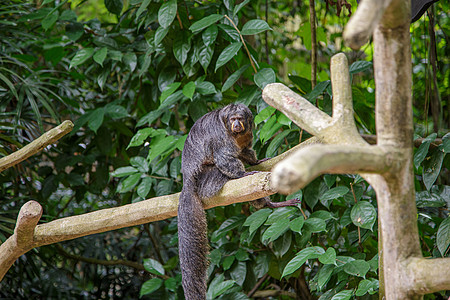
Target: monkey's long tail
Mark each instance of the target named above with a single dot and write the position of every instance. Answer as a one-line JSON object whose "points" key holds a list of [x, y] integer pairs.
{"points": [[192, 243]]}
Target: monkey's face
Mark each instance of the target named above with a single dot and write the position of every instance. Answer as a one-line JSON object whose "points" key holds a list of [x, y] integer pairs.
{"points": [[237, 118]]}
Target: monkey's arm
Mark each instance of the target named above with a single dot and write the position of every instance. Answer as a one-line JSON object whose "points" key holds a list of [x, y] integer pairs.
{"points": [[228, 163]]}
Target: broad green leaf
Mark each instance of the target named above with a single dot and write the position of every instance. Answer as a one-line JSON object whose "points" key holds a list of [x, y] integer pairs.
{"points": [[303, 84], [343, 295], [238, 7], [269, 129], [230, 31], [231, 80], [228, 53], [141, 8], [172, 284], [363, 215], [209, 35], [160, 34], [144, 187], [255, 220], [167, 13], [205, 22], [150, 286], [241, 255], [421, 153], [334, 193], [170, 89], [445, 143], [264, 77], [316, 225], [161, 146], [206, 88], [366, 286], [264, 114], [181, 48], [226, 226], [129, 183], [124, 171], [429, 199], [114, 6], [329, 257], [205, 57], [318, 90], [130, 60], [297, 224], [140, 163], [100, 56], [357, 267], [115, 111], [281, 245], [432, 167], [275, 230], [262, 264], [222, 287], [50, 20], [443, 236], [227, 262], [324, 275], [189, 89], [254, 27], [280, 213], [359, 66], [301, 257], [153, 266], [276, 142], [81, 56], [140, 136], [96, 119]]}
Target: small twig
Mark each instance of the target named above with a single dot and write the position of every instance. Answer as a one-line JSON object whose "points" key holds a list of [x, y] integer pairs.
{"points": [[243, 42], [257, 285], [312, 22], [359, 229], [179, 20]]}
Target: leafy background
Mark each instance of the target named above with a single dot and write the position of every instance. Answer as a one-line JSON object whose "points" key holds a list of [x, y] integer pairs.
{"points": [[134, 76]]}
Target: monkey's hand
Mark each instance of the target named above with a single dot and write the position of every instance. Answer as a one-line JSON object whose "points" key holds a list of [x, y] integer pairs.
{"points": [[292, 202], [262, 160]]}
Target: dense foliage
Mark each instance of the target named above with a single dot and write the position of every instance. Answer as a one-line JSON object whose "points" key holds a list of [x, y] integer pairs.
{"points": [[134, 76]]}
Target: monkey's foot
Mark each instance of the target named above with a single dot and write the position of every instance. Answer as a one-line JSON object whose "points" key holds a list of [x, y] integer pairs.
{"points": [[292, 202]]}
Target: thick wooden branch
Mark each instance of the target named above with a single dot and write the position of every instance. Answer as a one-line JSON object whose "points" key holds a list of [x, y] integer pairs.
{"points": [[429, 275], [300, 168], [27, 235], [35, 146], [363, 22]]}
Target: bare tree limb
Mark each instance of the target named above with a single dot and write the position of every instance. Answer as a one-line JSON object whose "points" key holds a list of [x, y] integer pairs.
{"points": [[429, 275], [35, 146]]}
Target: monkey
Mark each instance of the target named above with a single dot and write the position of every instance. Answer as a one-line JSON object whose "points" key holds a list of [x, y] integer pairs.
{"points": [[215, 151]]}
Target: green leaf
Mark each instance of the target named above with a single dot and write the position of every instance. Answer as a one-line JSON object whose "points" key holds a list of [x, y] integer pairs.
{"points": [[275, 230], [150, 286], [205, 22], [189, 89], [301, 257], [429, 199], [206, 88], [81, 56], [357, 267], [343, 295], [329, 257], [264, 77], [264, 114], [432, 167], [366, 286], [280, 213], [256, 219], [241, 255], [303, 84], [226, 226], [443, 236], [255, 27], [324, 275], [115, 111], [181, 48], [228, 53], [205, 57], [160, 34], [129, 183], [96, 119], [227, 262], [153, 266], [140, 136], [231, 80], [360, 66], [221, 287], [332, 194], [140, 163], [209, 35], [318, 90], [445, 143], [130, 60], [144, 187], [167, 13], [315, 225], [114, 6], [170, 89], [124, 171], [142, 7], [50, 20], [297, 224], [238, 7], [363, 215], [100, 56]]}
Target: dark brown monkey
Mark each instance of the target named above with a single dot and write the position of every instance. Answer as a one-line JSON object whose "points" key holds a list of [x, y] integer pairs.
{"points": [[215, 151]]}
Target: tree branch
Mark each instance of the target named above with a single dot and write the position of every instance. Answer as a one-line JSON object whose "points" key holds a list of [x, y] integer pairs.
{"points": [[429, 275], [35, 146]]}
